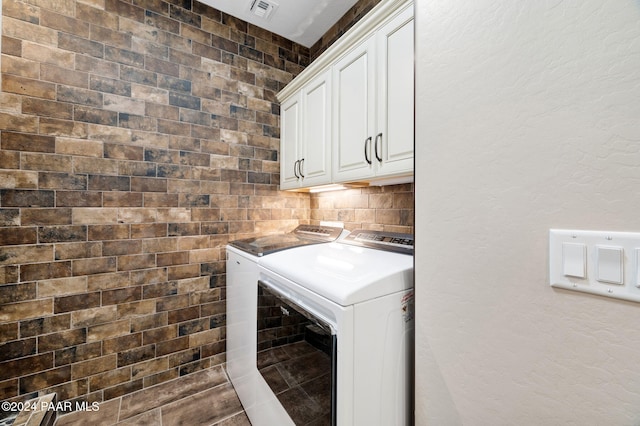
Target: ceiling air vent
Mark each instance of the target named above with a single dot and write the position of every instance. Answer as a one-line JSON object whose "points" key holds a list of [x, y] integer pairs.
{"points": [[263, 8]]}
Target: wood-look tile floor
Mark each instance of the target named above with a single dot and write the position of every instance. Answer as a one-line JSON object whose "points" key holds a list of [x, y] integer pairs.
{"points": [[205, 398], [300, 376]]}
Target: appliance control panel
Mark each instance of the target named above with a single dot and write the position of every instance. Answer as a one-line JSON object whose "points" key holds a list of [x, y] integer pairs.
{"points": [[326, 233], [381, 240]]}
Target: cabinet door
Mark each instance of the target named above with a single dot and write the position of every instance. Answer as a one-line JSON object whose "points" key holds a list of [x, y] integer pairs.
{"points": [[315, 166], [290, 141], [354, 108], [395, 144]]}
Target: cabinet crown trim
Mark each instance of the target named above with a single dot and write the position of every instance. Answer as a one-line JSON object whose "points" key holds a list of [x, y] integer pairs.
{"points": [[360, 31]]}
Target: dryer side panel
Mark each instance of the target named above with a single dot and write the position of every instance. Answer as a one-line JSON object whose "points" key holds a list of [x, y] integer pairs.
{"points": [[383, 373]]}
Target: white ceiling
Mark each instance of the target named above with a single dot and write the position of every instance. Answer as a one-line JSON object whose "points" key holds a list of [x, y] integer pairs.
{"points": [[302, 21]]}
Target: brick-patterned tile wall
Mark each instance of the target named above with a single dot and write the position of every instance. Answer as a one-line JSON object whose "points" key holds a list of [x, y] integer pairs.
{"points": [[381, 208], [136, 138]]}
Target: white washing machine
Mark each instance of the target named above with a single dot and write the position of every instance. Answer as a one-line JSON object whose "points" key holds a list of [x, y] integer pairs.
{"points": [[334, 340], [242, 277]]}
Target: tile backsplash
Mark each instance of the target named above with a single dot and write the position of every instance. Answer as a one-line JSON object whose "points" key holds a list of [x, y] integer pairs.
{"points": [[388, 208], [136, 139]]}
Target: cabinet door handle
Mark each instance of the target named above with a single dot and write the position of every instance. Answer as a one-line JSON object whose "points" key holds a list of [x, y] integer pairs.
{"points": [[378, 155], [300, 164], [366, 154], [295, 169]]}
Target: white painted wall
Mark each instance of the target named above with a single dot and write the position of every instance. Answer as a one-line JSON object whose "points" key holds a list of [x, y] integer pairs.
{"points": [[528, 118]]}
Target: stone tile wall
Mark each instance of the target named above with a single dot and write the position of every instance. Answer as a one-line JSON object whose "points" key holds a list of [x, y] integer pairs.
{"points": [[137, 138], [381, 208]]}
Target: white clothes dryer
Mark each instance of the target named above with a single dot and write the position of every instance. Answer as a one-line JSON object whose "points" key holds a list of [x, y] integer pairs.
{"points": [[334, 335]]}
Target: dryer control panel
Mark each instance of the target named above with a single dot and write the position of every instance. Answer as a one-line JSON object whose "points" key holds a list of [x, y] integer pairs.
{"points": [[381, 240]]}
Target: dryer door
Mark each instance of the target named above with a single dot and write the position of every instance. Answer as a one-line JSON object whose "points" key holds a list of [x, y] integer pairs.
{"points": [[297, 357]]}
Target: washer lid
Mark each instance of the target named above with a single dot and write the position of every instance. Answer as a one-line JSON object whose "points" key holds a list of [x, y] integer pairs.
{"points": [[302, 235], [343, 273]]}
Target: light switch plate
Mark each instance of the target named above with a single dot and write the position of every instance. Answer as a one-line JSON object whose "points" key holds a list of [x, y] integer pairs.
{"points": [[611, 265]]}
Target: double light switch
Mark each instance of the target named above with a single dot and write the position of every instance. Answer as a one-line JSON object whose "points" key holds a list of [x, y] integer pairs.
{"points": [[604, 263], [609, 262]]}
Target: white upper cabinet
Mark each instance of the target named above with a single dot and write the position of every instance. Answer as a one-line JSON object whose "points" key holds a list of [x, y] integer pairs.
{"points": [[316, 131], [353, 107], [373, 105], [305, 146], [393, 150], [354, 113], [289, 141]]}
